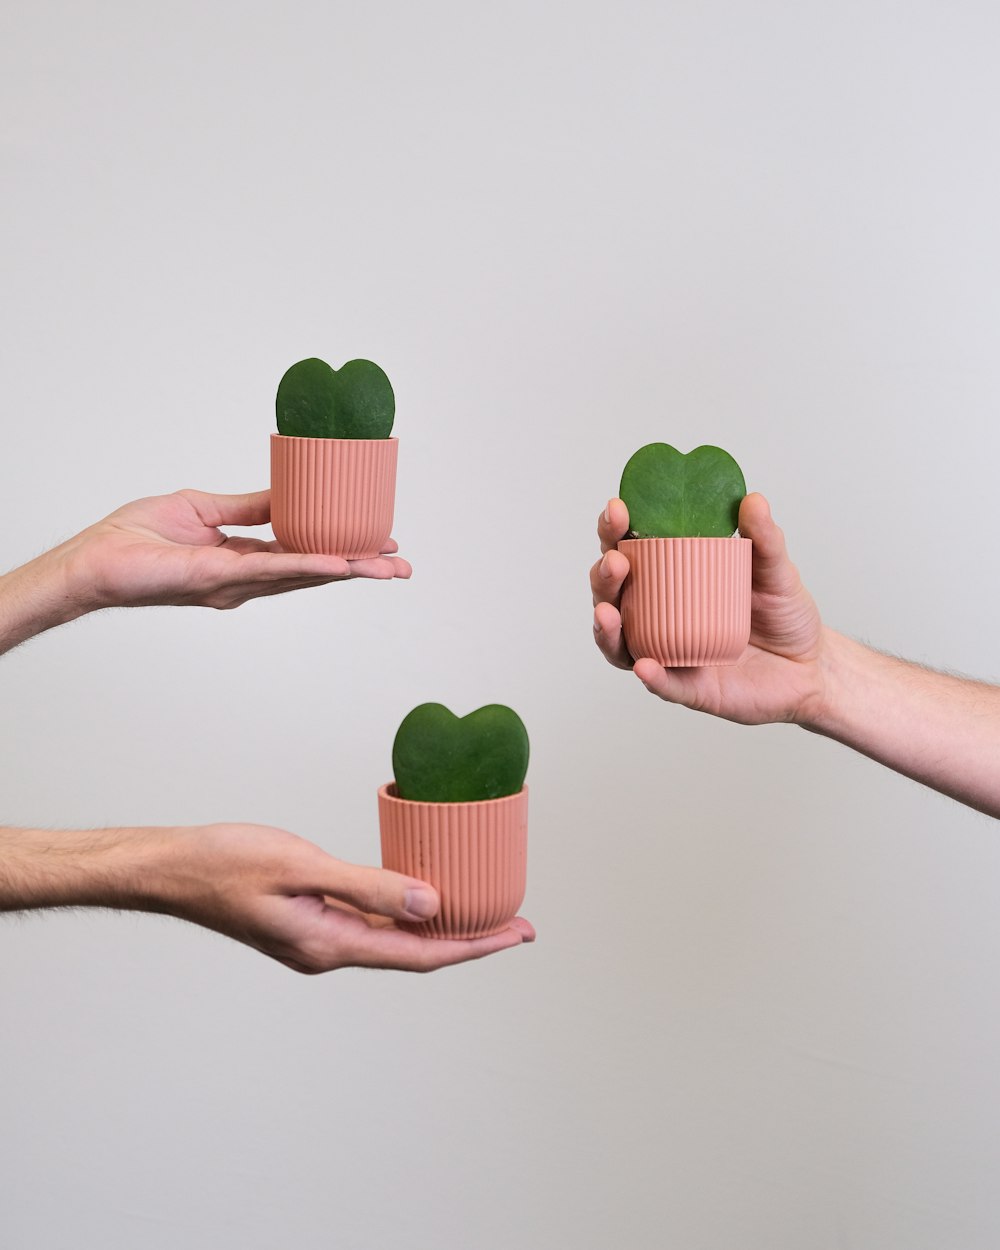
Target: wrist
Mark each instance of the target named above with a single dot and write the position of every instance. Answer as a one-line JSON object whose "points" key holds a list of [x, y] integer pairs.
{"points": [[837, 665], [183, 875], [78, 573]]}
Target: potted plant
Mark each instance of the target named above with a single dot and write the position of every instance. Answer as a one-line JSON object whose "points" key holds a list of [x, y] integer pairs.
{"points": [[333, 462], [686, 600], [456, 815]]}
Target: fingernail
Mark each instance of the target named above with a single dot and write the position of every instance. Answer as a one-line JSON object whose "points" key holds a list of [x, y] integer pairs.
{"points": [[420, 904], [597, 627], [607, 513], [605, 571]]}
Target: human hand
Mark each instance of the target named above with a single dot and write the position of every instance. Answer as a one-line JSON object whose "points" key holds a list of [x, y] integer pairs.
{"points": [[291, 901], [779, 677], [168, 549]]}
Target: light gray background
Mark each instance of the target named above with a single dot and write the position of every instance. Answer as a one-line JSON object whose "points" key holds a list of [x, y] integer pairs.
{"points": [[762, 1013]]}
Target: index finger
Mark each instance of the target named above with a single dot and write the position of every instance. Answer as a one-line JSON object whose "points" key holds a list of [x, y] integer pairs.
{"points": [[612, 524], [268, 567]]}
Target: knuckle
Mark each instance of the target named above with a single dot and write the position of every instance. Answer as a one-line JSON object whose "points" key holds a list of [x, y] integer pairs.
{"points": [[377, 891], [315, 962], [381, 896]]}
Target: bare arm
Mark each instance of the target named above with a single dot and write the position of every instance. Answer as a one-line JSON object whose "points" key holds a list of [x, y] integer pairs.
{"points": [[168, 549], [940, 730], [36, 597], [265, 887]]}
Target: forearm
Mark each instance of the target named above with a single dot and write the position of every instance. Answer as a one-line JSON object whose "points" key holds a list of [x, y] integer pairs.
{"points": [[120, 868], [940, 730], [38, 596]]}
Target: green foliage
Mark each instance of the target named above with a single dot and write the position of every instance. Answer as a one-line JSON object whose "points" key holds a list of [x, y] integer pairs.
{"points": [[439, 757], [354, 401], [670, 495]]}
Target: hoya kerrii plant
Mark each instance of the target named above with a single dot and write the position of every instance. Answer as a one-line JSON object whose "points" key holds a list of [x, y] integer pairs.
{"points": [[333, 462], [457, 815], [672, 495], [316, 401], [686, 600], [438, 757]]}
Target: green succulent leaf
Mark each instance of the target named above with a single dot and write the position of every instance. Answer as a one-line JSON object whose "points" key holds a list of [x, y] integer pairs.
{"points": [[439, 757], [670, 495], [354, 401]]}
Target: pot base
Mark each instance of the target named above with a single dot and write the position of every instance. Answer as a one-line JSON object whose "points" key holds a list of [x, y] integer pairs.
{"points": [[425, 930]]}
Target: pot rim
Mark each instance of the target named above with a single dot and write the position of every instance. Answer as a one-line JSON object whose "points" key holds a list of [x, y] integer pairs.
{"points": [[386, 792], [308, 438], [687, 538]]}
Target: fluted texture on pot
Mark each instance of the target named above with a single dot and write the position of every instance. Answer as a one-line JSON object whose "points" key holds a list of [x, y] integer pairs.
{"points": [[686, 601], [474, 854], [333, 496]]}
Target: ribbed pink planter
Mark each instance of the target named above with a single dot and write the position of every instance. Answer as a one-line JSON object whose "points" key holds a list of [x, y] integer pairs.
{"points": [[333, 496], [474, 854], [686, 601]]}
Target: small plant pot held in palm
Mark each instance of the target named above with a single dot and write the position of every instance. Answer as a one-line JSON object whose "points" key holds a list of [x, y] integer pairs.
{"points": [[333, 462], [456, 815], [686, 600]]}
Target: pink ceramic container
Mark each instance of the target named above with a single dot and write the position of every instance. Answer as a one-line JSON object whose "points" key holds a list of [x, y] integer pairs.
{"points": [[333, 496], [686, 601], [474, 854]]}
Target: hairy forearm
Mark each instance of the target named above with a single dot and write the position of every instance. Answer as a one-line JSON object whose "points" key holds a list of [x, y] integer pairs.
{"points": [[38, 596], [121, 868], [940, 730]]}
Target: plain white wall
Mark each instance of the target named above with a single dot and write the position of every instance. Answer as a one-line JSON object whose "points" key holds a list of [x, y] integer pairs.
{"points": [[762, 1010]]}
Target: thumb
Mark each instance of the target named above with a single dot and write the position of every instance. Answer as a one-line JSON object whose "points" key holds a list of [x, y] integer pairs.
{"points": [[253, 508], [773, 571], [380, 891], [757, 523]]}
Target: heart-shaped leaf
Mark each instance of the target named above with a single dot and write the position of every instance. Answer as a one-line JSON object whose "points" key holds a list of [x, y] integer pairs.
{"points": [[670, 495], [439, 757], [354, 401]]}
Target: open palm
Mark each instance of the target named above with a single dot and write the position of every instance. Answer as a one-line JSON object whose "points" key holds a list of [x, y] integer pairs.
{"points": [[169, 549], [290, 900]]}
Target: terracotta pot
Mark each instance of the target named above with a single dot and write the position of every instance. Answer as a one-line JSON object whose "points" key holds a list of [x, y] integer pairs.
{"points": [[686, 601], [474, 854], [333, 496]]}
